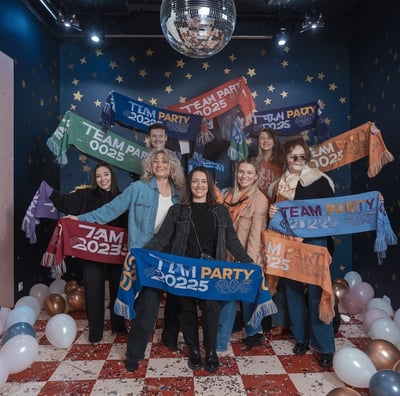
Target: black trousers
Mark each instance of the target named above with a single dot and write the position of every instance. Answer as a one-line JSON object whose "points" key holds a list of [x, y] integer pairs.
{"points": [[94, 278]]}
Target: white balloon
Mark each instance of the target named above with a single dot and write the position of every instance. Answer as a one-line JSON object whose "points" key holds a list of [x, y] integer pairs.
{"points": [[39, 291], [385, 329], [22, 313], [57, 286], [353, 278], [381, 303], [61, 330], [19, 352], [30, 302], [353, 367], [396, 317], [3, 371]]}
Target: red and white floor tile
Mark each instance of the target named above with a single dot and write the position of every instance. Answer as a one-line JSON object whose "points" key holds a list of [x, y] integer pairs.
{"points": [[92, 370]]}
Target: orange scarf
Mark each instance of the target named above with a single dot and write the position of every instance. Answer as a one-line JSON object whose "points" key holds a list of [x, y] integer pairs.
{"points": [[236, 208]]}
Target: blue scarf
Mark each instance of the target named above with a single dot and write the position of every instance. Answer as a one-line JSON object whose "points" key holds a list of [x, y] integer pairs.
{"points": [[349, 214], [184, 276], [135, 114]]}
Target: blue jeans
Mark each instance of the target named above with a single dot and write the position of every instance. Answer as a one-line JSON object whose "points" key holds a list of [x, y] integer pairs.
{"points": [[226, 320], [281, 318], [303, 308], [247, 310]]}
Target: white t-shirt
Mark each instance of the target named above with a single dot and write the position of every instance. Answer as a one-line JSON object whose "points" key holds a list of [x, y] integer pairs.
{"points": [[164, 203]]}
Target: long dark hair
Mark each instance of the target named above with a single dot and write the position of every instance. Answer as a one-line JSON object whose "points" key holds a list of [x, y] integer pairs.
{"points": [[114, 183], [187, 198], [276, 157]]}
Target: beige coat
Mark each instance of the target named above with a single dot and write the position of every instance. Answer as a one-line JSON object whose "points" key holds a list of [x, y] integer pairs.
{"points": [[249, 225]]}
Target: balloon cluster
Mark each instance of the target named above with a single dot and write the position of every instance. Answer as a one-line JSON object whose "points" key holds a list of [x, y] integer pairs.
{"points": [[378, 366], [19, 347], [75, 295]]}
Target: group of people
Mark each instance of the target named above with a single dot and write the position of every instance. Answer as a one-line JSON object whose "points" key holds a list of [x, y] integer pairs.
{"points": [[185, 216]]}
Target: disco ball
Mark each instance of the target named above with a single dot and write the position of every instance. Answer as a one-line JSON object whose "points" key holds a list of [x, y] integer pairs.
{"points": [[198, 28]]}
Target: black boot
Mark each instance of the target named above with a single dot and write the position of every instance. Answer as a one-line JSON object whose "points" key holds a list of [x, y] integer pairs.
{"points": [[210, 311], [211, 363], [194, 361]]}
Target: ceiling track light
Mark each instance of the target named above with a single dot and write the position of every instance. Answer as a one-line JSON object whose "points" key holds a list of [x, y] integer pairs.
{"points": [[282, 37], [68, 21], [312, 21]]}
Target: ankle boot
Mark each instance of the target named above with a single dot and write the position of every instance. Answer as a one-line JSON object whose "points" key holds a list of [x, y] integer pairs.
{"points": [[211, 363], [194, 361]]}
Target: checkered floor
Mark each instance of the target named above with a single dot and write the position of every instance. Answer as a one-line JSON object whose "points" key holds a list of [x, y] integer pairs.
{"points": [[85, 369]]}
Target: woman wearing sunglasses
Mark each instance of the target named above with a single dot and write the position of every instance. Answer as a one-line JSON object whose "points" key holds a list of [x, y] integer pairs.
{"points": [[300, 181]]}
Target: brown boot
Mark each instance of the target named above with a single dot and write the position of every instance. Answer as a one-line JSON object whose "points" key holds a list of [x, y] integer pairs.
{"points": [[279, 330]]}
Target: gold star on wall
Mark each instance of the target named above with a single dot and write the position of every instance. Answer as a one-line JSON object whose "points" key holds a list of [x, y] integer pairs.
{"points": [[182, 99], [254, 94], [342, 100], [284, 94], [271, 88], [71, 66], [97, 103], [321, 76], [227, 71], [23, 83], [251, 72], [342, 267], [75, 81], [332, 87], [168, 89], [140, 99], [286, 49], [149, 52], [167, 74], [189, 76], [83, 60], [72, 107], [263, 52], [180, 63], [205, 66], [327, 121], [99, 52], [232, 57], [309, 79], [268, 101], [132, 59], [41, 103], [119, 79], [321, 104], [142, 73], [285, 63], [78, 96], [153, 101], [113, 64]]}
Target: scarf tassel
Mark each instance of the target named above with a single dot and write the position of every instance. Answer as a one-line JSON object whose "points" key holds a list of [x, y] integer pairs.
{"points": [[262, 310], [61, 157]]}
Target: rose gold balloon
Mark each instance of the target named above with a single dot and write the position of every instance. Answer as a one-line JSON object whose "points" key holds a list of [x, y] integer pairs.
{"points": [[343, 391], [396, 367], [76, 300], [340, 286], [383, 354], [71, 285], [54, 304]]}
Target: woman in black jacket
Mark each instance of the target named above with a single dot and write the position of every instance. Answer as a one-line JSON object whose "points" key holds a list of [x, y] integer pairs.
{"points": [[103, 189], [198, 226]]}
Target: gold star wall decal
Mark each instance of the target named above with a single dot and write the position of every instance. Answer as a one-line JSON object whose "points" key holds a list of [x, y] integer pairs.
{"points": [[97, 103], [71, 66], [263, 52], [271, 88], [167, 74], [205, 66], [119, 79], [332, 87], [149, 52], [309, 79], [99, 52], [254, 94], [182, 99], [286, 49], [251, 72], [342, 267], [78, 96], [142, 73], [23, 83], [83, 60], [132, 59], [72, 107], [285, 63], [168, 89], [180, 63], [75, 81], [284, 94], [113, 64], [227, 71], [321, 104], [153, 101], [327, 121], [268, 101], [321, 76], [342, 100], [232, 57], [41, 103], [189, 76], [140, 99]]}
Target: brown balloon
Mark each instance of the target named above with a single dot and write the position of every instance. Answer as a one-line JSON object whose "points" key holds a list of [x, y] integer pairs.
{"points": [[71, 285], [76, 300], [383, 354], [343, 391], [54, 304], [340, 286], [396, 367]]}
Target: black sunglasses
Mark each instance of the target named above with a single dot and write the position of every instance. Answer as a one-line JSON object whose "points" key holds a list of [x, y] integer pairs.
{"points": [[296, 158]]}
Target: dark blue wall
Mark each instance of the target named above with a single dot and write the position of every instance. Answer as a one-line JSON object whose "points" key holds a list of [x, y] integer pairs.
{"points": [[375, 84]]}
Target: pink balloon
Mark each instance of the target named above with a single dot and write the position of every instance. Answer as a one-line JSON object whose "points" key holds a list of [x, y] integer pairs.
{"points": [[364, 292], [372, 314], [351, 303], [39, 291]]}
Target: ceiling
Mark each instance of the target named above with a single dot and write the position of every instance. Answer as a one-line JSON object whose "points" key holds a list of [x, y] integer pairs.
{"points": [[343, 19]]}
